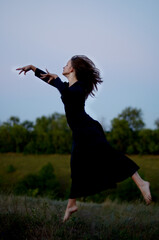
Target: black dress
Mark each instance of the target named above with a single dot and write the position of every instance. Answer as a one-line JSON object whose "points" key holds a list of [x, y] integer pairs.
{"points": [[95, 165]]}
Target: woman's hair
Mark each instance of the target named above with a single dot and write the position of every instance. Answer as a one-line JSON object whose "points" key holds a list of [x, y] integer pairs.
{"points": [[87, 73]]}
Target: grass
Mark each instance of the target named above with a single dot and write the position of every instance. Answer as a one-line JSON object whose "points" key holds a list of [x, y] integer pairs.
{"points": [[29, 218], [26, 164], [41, 218], [149, 165]]}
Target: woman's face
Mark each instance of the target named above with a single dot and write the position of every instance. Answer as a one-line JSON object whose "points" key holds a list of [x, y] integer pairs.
{"points": [[67, 69]]}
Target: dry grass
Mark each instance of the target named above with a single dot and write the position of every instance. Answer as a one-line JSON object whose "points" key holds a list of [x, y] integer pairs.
{"points": [[41, 218]]}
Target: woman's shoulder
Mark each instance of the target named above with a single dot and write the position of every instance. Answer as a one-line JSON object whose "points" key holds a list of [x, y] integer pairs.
{"points": [[77, 86], [74, 92]]}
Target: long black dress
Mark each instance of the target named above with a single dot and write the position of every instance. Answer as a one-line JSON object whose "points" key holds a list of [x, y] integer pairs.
{"points": [[95, 165]]}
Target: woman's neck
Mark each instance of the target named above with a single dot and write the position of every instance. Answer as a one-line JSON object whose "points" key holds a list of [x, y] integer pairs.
{"points": [[72, 79]]}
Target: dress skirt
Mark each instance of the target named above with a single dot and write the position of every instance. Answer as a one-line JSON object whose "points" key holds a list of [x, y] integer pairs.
{"points": [[95, 165]]}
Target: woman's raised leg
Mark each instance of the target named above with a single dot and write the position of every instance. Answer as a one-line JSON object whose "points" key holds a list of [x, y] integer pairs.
{"points": [[144, 187], [71, 208]]}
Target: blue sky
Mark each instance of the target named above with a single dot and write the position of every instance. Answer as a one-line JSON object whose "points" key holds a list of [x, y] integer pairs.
{"points": [[120, 36]]}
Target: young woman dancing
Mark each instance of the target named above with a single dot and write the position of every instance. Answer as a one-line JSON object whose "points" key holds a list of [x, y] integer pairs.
{"points": [[95, 165]]}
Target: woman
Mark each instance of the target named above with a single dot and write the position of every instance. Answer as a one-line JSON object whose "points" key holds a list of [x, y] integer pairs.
{"points": [[95, 165]]}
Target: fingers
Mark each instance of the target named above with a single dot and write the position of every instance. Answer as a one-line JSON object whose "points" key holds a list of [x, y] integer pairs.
{"points": [[47, 71], [18, 69], [47, 75], [43, 76], [22, 70], [49, 80]]}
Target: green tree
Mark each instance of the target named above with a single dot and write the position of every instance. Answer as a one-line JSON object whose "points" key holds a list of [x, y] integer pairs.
{"points": [[133, 116], [52, 134], [61, 134], [13, 136], [20, 137], [28, 125], [147, 143], [14, 120], [125, 129], [48, 135], [157, 123], [120, 135], [6, 141]]}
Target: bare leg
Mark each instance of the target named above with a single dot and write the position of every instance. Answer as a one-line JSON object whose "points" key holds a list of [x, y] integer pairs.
{"points": [[71, 208], [144, 187]]}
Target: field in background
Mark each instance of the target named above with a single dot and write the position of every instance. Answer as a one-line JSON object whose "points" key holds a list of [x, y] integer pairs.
{"points": [[26, 164]]}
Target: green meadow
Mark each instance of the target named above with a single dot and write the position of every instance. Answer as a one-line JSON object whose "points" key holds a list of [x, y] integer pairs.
{"points": [[31, 164]]}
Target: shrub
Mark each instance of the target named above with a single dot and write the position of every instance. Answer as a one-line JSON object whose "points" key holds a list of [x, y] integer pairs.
{"points": [[10, 169], [43, 183]]}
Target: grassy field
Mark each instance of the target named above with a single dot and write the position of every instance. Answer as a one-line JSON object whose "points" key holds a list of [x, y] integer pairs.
{"points": [[26, 164], [41, 219]]}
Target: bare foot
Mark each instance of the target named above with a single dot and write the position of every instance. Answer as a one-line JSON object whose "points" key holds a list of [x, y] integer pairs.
{"points": [[68, 212], [145, 190]]}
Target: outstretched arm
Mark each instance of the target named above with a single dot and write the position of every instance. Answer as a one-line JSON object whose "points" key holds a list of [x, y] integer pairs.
{"points": [[47, 77]]}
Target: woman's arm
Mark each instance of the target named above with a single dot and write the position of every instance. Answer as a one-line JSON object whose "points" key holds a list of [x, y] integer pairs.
{"points": [[45, 76], [49, 78]]}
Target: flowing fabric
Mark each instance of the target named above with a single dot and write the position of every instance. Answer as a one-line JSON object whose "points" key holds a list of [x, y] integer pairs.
{"points": [[95, 165]]}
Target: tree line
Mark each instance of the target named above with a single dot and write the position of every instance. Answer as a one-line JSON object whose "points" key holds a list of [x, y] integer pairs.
{"points": [[52, 134]]}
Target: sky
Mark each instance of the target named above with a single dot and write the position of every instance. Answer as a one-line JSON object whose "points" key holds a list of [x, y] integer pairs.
{"points": [[120, 36]]}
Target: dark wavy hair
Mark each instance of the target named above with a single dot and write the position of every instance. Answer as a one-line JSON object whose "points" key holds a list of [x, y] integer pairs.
{"points": [[87, 73]]}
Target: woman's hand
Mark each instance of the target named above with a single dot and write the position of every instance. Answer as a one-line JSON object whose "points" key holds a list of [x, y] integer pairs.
{"points": [[49, 75], [26, 69]]}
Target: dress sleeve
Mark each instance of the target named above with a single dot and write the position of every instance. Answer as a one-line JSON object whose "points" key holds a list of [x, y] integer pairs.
{"points": [[61, 86], [74, 95]]}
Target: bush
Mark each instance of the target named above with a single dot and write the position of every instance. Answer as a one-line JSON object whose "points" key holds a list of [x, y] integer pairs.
{"points": [[43, 183], [10, 169]]}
